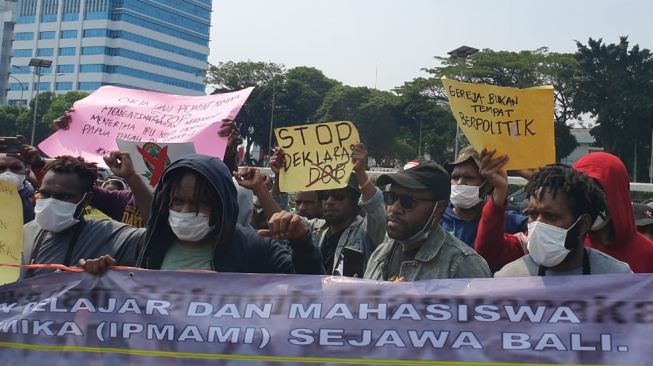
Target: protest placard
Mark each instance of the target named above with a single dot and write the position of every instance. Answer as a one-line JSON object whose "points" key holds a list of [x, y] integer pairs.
{"points": [[11, 231], [317, 156], [515, 122], [152, 158], [112, 113], [141, 317]]}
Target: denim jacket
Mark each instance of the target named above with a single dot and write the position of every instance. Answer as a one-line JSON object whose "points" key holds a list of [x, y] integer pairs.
{"points": [[441, 256], [363, 235]]}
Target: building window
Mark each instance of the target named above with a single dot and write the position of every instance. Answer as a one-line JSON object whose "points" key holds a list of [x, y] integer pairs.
{"points": [[66, 85], [88, 85], [47, 35], [90, 68], [18, 86], [68, 34], [95, 50], [23, 52], [20, 69], [45, 52], [66, 69], [67, 51], [24, 36], [88, 33], [42, 86]]}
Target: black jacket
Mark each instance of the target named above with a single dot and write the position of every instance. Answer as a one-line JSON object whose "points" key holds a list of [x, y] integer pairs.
{"points": [[236, 249]]}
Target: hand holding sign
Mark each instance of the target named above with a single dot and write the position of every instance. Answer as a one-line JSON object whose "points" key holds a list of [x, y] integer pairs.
{"points": [[316, 156], [515, 122]]}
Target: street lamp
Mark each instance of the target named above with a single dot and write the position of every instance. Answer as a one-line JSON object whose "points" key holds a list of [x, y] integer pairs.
{"points": [[38, 65], [22, 89], [461, 53]]}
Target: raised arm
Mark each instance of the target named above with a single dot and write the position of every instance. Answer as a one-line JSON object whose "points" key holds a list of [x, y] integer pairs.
{"points": [[121, 165], [497, 247]]}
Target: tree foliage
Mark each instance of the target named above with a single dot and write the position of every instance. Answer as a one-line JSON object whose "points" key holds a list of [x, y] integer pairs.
{"points": [[615, 86]]}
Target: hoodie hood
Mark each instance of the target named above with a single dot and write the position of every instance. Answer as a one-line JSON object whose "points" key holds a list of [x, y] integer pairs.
{"points": [[160, 237], [610, 172]]}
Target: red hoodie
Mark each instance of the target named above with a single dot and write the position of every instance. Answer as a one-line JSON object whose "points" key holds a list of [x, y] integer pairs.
{"points": [[629, 245]]}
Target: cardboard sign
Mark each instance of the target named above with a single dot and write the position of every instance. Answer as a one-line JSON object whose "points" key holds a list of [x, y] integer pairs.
{"points": [[317, 156], [112, 113], [515, 122], [152, 158], [11, 228]]}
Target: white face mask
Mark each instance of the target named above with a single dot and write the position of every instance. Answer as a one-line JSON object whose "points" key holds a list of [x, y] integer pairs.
{"points": [[189, 226], [546, 243], [55, 215], [14, 178], [463, 196]]}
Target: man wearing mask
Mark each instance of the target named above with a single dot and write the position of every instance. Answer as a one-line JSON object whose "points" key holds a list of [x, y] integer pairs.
{"points": [[193, 226], [60, 234], [468, 192], [562, 205], [14, 171], [417, 247]]}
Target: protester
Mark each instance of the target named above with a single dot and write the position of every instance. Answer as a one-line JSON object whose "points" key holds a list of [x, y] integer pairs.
{"points": [[618, 236], [345, 238], [468, 192], [60, 234], [113, 183], [643, 219], [562, 205], [13, 170], [193, 226], [307, 204], [417, 247]]}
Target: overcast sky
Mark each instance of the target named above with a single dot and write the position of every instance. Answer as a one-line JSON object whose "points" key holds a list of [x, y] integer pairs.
{"points": [[384, 43]]}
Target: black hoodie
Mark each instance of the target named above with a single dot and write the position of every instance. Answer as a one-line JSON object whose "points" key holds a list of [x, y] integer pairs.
{"points": [[235, 249]]}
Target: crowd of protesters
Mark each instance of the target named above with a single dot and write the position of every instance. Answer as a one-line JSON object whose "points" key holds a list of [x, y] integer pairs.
{"points": [[425, 221]]}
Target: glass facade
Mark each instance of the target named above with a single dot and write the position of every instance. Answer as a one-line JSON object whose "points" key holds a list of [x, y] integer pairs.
{"points": [[188, 21], [68, 34], [24, 36], [67, 51]]}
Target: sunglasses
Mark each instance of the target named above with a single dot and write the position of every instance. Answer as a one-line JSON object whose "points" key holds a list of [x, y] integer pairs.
{"points": [[406, 201], [336, 194]]}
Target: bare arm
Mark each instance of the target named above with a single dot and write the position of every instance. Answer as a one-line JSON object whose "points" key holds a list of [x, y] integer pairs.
{"points": [[252, 179], [122, 166]]}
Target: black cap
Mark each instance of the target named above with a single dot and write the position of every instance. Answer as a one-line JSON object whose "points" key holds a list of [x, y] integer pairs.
{"points": [[643, 214], [423, 175]]}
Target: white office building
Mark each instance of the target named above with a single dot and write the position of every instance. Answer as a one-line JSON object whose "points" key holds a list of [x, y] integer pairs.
{"points": [[7, 9], [159, 45]]}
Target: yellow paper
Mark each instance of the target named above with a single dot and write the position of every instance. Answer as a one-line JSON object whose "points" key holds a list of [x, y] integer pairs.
{"points": [[515, 122], [317, 156], [11, 229]]}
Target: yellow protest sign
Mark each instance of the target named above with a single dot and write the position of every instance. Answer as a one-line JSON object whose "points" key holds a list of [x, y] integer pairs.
{"points": [[11, 227], [316, 156], [515, 122]]}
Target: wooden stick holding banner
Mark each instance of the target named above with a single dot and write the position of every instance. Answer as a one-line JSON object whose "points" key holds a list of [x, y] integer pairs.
{"points": [[316, 156], [515, 122]]}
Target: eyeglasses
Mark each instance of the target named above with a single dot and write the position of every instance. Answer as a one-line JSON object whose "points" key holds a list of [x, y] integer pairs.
{"points": [[406, 201], [337, 194]]}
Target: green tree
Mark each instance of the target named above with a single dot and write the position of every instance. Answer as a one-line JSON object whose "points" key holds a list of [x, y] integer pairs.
{"points": [[9, 115], [615, 87], [61, 104], [376, 114], [25, 120], [254, 118]]}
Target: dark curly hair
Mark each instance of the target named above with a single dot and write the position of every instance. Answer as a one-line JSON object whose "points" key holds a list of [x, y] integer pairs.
{"points": [[585, 196], [86, 171]]}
